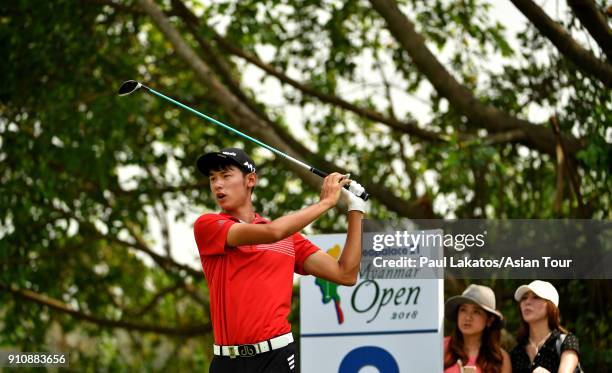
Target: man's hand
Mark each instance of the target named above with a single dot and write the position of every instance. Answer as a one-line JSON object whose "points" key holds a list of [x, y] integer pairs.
{"points": [[353, 202], [345, 270], [332, 185]]}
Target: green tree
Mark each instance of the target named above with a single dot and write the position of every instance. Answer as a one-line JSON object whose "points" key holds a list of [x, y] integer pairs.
{"points": [[85, 173]]}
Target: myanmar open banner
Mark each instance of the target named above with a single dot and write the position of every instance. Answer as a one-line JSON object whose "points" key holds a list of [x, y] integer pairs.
{"points": [[380, 325]]}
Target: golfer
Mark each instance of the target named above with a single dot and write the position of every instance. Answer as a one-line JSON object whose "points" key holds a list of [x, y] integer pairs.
{"points": [[249, 263]]}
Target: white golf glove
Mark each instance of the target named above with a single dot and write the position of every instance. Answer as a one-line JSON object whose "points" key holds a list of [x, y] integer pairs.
{"points": [[354, 203], [355, 187]]}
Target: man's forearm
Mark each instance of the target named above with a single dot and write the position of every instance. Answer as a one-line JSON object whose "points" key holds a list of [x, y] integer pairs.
{"points": [[287, 225], [351, 254]]}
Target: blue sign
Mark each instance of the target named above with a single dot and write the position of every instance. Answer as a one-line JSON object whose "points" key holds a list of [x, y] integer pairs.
{"points": [[376, 357]]}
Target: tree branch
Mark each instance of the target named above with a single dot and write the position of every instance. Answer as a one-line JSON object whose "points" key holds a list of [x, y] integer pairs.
{"points": [[248, 121], [165, 263], [224, 70], [159, 295], [49, 255], [201, 184], [480, 115], [196, 295], [243, 118], [182, 331], [560, 179], [412, 175], [210, 55], [410, 127], [564, 161], [594, 21], [415, 209], [564, 42], [504, 137], [494, 139]]}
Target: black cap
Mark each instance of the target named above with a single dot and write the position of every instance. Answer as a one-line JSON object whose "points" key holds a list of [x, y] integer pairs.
{"points": [[237, 156]]}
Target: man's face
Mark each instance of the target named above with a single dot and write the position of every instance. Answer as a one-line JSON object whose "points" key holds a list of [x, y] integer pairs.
{"points": [[230, 187]]}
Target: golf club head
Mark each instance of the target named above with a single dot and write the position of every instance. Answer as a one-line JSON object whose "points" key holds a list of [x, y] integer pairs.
{"points": [[128, 87]]}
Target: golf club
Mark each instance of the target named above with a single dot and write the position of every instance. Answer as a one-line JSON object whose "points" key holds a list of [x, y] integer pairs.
{"points": [[130, 86]]}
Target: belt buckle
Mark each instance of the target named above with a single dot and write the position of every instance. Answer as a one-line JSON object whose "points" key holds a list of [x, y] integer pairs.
{"points": [[232, 352], [247, 350]]}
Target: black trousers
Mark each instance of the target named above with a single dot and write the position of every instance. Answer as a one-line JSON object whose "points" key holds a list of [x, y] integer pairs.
{"points": [[282, 360]]}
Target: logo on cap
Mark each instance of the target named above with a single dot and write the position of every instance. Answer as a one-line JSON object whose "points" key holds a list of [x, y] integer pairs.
{"points": [[229, 153], [249, 166]]}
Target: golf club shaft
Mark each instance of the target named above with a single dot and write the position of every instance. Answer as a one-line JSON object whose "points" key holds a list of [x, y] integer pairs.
{"points": [[364, 195]]}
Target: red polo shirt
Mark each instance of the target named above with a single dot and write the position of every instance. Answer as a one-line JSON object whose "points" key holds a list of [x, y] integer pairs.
{"points": [[250, 286]]}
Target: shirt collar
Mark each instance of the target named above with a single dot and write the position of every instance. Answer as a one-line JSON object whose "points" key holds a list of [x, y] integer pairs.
{"points": [[258, 219]]}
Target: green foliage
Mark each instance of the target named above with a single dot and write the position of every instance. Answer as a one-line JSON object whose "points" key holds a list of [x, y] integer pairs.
{"points": [[85, 174]]}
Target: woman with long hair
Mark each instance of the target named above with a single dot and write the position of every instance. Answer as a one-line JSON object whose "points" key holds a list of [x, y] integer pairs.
{"points": [[543, 345], [474, 345]]}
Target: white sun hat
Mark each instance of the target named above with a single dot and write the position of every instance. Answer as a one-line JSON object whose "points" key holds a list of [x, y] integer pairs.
{"points": [[479, 295], [542, 289]]}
